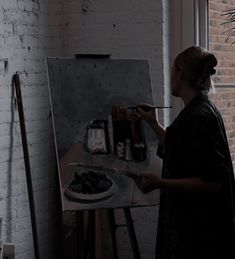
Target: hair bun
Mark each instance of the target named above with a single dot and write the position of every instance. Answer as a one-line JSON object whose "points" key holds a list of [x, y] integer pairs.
{"points": [[213, 71], [197, 65], [210, 62]]}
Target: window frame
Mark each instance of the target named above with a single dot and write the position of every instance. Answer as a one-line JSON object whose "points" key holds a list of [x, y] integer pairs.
{"points": [[189, 26]]}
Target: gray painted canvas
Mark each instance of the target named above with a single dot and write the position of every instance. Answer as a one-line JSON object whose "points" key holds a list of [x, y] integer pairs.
{"points": [[85, 89]]}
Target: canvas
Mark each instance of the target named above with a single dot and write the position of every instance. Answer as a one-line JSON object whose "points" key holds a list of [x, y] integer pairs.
{"points": [[94, 142]]}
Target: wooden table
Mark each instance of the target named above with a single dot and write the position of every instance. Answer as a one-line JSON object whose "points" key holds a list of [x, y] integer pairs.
{"points": [[127, 195]]}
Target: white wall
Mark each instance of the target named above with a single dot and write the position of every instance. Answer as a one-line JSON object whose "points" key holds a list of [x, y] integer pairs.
{"points": [[124, 28], [29, 30]]}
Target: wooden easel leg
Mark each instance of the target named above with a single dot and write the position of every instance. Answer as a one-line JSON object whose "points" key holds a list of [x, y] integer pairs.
{"points": [[89, 246], [113, 228], [80, 233], [86, 248], [91, 229], [131, 231]]}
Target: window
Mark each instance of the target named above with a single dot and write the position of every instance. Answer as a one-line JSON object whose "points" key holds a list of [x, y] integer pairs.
{"points": [[189, 26], [198, 22]]}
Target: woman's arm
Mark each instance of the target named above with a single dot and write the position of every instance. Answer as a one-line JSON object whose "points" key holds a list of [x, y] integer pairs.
{"points": [[194, 184], [159, 130], [148, 113], [148, 182]]}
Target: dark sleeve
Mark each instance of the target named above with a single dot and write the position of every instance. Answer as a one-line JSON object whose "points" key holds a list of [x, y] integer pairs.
{"points": [[160, 150], [161, 146], [205, 152]]}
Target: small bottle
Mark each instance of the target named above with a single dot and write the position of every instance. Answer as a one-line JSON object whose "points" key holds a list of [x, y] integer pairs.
{"points": [[128, 151], [110, 133], [120, 149], [140, 151]]}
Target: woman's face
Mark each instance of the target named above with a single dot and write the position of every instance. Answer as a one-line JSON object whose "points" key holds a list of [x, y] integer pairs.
{"points": [[175, 81]]}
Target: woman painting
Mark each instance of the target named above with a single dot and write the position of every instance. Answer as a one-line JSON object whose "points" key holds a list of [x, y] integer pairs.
{"points": [[196, 215]]}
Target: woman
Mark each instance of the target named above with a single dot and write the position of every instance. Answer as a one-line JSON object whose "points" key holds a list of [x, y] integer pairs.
{"points": [[196, 216]]}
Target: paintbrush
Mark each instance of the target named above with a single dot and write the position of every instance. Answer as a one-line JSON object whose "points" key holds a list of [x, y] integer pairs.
{"points": [[107, 169], [148, 108]]}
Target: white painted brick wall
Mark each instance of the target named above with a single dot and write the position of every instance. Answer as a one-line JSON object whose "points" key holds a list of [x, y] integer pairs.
{"points": [[125, 29], [29, 31]]}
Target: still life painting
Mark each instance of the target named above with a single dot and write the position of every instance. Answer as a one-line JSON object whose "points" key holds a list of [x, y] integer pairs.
{"points": [[101, 145]]}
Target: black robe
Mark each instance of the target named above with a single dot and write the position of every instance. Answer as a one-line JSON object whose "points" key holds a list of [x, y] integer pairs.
{"points": [[197, 225]]}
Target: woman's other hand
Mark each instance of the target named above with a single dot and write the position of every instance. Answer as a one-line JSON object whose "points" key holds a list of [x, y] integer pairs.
{"points": [[148, 182]]}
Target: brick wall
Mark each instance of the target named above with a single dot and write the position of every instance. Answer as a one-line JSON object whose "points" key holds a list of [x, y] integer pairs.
{"points": [[125, 29], [29, 31], [225, 52], [224, 98]]}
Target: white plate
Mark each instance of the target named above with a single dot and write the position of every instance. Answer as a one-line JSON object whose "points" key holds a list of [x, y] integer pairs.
{"points": [[82, 197]]}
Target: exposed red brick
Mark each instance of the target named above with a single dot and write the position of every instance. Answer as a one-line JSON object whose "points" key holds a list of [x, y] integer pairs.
{"points": [[224, 51]]}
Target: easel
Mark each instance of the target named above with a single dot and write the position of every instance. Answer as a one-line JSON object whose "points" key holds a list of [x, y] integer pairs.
{"points": [[109, 80], [89, 243], [89, 252], [131, 230], [16, 84]]}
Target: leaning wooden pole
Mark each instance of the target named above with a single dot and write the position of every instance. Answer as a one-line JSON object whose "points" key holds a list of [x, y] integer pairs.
{"points": [[16, 82]]}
